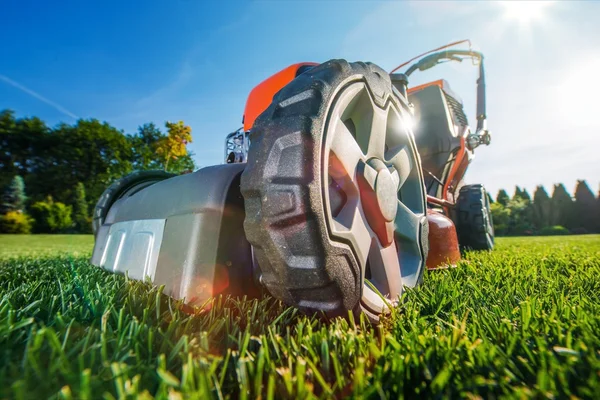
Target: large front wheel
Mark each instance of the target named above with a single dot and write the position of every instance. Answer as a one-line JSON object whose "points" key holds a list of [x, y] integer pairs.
{"points": [[335, 202]]}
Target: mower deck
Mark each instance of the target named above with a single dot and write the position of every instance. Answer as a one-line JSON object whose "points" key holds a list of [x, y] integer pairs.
{"points": [[185, 233]]}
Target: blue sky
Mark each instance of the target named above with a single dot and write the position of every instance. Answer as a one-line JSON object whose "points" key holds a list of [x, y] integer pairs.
{"points": [[134, 62]]}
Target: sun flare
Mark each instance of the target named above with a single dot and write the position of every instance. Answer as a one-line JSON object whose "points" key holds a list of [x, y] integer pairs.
{"points": [[525, 12]]}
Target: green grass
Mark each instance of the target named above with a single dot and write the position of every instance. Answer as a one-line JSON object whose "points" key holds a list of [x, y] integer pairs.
{"points": [[522, 321], [40, 245]]}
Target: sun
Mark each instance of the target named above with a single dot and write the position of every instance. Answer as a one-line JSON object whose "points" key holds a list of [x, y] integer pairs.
{"points": [[525, 12]]}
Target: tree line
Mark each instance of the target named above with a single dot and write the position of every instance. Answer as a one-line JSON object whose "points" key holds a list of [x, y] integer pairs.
{"points": [[51, 177], [558, 214]]}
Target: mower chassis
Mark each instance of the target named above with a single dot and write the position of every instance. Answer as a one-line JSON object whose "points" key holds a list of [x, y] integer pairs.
{"points": [[185, 233]]}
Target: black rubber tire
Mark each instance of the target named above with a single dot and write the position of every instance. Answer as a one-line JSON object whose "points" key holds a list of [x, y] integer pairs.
{"points": [[124, 187], [285, 218], [474, 224]]}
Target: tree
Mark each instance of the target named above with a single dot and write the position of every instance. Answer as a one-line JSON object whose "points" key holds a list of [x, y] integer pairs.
{"points": [[182, 164], [584, 207], [501, 218], [541, 208], [53, 161], [7, 127], [146, 155], [518, 193], [22, 144], [521, 212], [80, 210], [90, 152], [562, 207], [174, 145], [516, 218], [522, 194], [14, 197], [502, 197], [520, 217], [144, 145], [51, 217]]}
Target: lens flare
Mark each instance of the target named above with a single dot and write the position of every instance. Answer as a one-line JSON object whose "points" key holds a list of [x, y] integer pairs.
{"points": [[525, 12]]}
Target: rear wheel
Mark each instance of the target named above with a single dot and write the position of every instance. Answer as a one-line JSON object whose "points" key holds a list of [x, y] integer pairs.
{"points": [[474, 225], [334, 196], [125, 187]]}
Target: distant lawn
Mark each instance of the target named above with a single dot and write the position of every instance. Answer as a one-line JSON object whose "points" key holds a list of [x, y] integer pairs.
{"points": [[39, 245], [520, 322]]}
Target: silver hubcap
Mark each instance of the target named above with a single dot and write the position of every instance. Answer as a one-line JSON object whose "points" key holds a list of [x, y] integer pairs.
{"points": [[374, 199]]}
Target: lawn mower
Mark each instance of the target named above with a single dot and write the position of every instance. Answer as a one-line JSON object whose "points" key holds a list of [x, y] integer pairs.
{"points": [[327, 199]]}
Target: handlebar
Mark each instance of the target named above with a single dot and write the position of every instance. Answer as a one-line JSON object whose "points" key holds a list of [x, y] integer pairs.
{"points": [[434, 59]]}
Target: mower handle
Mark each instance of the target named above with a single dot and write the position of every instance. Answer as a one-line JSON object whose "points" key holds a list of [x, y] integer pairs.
{"points": [[433, 59], [458, 55]]}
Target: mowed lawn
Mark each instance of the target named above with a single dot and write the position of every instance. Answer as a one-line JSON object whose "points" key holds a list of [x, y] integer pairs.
{"points": [[521, 321], [40, 245]]}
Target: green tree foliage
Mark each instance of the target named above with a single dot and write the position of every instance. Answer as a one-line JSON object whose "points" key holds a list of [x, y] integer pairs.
{"points": [[518, 193], [521, 194], [502, 197], [174, 145], [15, 222], [501, 218], [522, 212], [541, 208], [548, 216], [51, 216], [584, 207], [53, 161], [22, 144], [521, 221], [562, 207], [513, 216], [81, 217], [145, 146], [13, 198], [182, 164], [90, 152]]}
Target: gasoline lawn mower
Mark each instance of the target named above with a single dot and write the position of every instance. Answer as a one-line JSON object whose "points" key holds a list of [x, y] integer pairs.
{"points": [[326, 199]]}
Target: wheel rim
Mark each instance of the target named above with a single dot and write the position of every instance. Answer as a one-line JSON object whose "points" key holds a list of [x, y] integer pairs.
{"points": [[374, 197]]}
